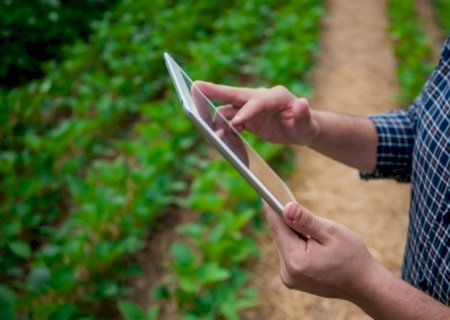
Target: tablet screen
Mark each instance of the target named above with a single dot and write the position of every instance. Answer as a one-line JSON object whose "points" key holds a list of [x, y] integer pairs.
{"points": [[215, 118], [214, 124]]}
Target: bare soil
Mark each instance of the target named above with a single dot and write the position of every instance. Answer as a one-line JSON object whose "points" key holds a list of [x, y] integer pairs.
{"points": [[154, 260]]}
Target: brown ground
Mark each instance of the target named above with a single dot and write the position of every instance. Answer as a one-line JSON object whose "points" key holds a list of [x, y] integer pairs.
{"points": [[355, 73]]}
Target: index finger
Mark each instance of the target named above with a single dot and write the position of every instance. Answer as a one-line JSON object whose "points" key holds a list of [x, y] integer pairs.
{"points": [[227, 94]]}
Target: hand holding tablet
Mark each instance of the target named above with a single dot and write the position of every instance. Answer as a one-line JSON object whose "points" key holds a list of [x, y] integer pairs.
{"points": [[214, 125]]}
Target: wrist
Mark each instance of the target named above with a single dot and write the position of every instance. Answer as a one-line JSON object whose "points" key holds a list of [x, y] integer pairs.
{"points": [[349, 139], [382, 295], [369, 284]]}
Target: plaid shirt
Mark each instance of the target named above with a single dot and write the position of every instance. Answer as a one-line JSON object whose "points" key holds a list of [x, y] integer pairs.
{"points": [[414, 145]]}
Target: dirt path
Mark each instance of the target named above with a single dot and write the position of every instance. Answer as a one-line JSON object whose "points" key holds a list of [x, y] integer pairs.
{"points": [[355, 74]]}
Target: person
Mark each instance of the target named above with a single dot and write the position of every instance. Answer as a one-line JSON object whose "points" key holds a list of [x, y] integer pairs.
{"points": [[407, 145]]}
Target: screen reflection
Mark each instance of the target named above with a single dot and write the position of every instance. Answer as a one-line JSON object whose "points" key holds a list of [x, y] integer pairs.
{"points": [[218, 120]]}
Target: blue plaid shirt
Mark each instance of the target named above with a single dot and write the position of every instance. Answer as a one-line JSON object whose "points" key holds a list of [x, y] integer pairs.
{"points": [[414, 145]]}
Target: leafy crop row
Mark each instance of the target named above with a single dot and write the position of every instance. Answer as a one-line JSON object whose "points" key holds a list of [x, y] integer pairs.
{"points": [[443, 13], [88, 161], [90, 158], [411, 48], [34, 31]]}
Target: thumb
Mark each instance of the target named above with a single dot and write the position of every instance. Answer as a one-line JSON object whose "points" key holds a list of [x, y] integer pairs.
{"points": [[301, 109], [304, 222]]}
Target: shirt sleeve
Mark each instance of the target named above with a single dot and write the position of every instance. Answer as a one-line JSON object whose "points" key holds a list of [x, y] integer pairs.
{"points": [[396, 135]]}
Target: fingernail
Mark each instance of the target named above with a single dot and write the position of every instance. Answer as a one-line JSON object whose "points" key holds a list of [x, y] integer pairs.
{"points": [[293, 211]]}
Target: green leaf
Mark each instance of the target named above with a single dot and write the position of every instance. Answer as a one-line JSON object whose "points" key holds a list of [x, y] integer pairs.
{"points": [[50, 250], [63, 279], [192, 230], [38, 276], [152, 313], [160, 292], [191, 316], [229, 310], [243, 218], [212, 272], [248, 299], [131, 311], [189, 284], [21, 249], [109, 289], [7, 303], [182, 254], [65, 312]]}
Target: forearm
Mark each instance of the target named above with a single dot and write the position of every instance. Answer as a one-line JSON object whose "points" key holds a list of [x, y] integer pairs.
{"points": [[351, 140], [384, 296]]}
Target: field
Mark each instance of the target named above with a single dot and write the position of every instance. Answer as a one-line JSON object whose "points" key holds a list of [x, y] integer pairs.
{"points": [[112, 205]]}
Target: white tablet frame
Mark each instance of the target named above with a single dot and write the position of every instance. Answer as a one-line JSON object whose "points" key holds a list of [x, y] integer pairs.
{"points": [[184, 93]]}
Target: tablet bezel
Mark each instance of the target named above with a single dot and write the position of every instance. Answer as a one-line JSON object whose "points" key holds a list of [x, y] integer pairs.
{"points": [[184, 94]]}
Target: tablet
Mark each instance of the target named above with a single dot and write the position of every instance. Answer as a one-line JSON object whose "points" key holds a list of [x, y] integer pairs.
{"points": [[217, 129]]}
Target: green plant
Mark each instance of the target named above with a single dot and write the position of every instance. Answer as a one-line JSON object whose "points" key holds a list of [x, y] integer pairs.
{"points": [[33, 32], [443, 13], [90, 158], [132, 311], [411, 49], [82, 174]]}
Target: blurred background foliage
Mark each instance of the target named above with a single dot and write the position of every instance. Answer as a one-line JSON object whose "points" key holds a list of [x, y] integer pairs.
{"points": [[32, 32], [98, 150], [411, 44], [413, 65], [443, 13]]}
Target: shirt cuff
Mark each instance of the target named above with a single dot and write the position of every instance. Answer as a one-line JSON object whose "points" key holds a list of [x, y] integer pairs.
{"points": [[395, 144]]}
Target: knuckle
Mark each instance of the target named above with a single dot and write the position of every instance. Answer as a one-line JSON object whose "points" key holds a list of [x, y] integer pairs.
{"points": [[332, 230], [306, 220], [279, 89], [303, 104], [260, 91]]}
